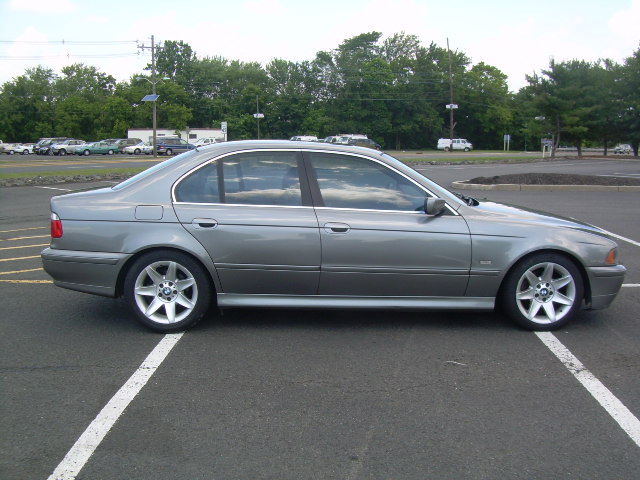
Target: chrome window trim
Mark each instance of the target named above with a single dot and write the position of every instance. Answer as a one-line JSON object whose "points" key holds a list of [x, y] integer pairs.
{"points": [[303, 150]]}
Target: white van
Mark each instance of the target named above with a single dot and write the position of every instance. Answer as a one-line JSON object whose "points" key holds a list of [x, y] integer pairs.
{"points": [[458, 144]]}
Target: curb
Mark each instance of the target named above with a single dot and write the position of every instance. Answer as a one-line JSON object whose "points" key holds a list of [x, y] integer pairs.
{"points": [[545, 188]]}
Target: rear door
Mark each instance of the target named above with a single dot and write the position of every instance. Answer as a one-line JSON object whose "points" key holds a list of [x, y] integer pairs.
{"points": [[254, 216]]}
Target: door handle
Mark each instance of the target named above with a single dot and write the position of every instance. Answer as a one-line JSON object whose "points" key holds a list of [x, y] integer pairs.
{"points": [[204, 223], [334, 227]]}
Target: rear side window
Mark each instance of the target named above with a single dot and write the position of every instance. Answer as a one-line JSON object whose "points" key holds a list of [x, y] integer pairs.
{"points": [[249, 178]]}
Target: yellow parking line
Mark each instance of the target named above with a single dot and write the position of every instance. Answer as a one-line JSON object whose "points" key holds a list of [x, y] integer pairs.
{"points": [[22, 238], [25, 246], [23, 229], [18, 258], [21, 271], [26, 281]]}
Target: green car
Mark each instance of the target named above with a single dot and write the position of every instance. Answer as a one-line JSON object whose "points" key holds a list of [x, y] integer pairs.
{"points": [[105, 148]]}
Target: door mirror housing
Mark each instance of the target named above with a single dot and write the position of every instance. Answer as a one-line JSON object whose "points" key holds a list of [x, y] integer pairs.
{"points": [[433, 206]]}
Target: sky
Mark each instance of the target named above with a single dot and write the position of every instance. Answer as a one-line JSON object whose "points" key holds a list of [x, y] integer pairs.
{"points": [[519, 37]]}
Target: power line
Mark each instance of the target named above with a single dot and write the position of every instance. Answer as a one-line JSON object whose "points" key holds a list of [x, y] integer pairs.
{"points": [[70, 42]]}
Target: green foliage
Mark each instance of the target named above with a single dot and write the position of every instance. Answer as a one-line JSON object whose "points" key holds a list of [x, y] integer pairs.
{"points": [[393, 89]]}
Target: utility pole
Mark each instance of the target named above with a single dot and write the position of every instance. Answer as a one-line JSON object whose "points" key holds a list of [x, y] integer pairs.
{"points": [[153, 91], [451, 105]]}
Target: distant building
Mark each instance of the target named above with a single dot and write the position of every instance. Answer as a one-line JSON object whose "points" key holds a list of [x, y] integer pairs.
{"points": [[191, 135]]}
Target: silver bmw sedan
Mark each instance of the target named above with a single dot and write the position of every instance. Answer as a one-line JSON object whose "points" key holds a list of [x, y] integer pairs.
{"points": [[316, 225]]}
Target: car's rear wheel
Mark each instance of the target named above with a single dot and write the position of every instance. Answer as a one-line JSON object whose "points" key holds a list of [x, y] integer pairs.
{"points": [[110, 152], [169, 151], [86, 152], [62, 152], [25, 152], [137, 151], [168, 291], [543, 292]]}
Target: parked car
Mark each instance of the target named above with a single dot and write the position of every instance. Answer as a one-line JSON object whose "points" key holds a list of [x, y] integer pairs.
{"points": [[66, 147], [23, 148], [138, 148], [346, 137], [126, 142], [364, 142], [102, 147], [7, 148], [201, 142], [623, 148], [43, 147], [280, 224], [169, 146], [447, 144], [304, 138]]}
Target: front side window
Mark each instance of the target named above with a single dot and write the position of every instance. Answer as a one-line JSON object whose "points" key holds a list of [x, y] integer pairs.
{"points": [[249, 178], [354, 182]]}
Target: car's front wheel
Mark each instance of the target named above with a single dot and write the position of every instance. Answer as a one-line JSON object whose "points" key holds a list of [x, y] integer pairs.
{"points": [[86, 152], [168, 291], [137, 151], [543, 292]]}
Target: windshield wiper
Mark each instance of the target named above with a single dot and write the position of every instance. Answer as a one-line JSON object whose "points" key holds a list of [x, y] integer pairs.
{"points": [[472, 202]]}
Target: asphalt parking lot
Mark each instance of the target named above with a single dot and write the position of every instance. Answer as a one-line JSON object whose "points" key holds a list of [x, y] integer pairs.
{"points": [[87, 393]]}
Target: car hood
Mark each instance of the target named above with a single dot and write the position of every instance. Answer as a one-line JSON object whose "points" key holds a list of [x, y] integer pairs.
{"points": [[482, 216]]}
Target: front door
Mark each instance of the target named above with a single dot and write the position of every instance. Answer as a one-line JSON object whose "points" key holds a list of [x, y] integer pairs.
{"points": [[376, 238]]}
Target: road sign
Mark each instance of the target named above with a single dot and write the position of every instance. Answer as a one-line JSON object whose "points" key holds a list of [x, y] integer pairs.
{"points": [[449, 106], [258, 115], [223, 127]]}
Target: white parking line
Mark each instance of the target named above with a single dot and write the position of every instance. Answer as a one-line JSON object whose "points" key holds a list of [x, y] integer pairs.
{"points": [[614, 407], [624, 239], [84, 447], [52, 188]]}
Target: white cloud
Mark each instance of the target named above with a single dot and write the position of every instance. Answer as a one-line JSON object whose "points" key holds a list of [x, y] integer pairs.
{"points": [[43, 6], [625, 26]]}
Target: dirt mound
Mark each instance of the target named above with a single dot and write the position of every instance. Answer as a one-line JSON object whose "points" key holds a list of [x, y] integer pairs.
{"points": [[554, 179]]}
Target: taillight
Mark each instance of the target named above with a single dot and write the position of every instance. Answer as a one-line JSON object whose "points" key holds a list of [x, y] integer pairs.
{"points": [[56, 226]]}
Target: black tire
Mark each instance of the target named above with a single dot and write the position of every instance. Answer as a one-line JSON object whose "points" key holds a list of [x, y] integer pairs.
{"points": [[446, 149], [169, 151], [62, 152], [543, 291], [86, 153], [110, 152], [466, 149], [25, 152], [137, 151], [174, 298]]}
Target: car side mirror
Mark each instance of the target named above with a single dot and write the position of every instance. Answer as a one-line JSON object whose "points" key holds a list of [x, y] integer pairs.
{"points": [[433, 206]]}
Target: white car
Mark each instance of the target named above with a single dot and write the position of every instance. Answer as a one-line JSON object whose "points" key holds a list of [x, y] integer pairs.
{"points": [[623, 148], [23, 149], [201, 142], [137, 149]]}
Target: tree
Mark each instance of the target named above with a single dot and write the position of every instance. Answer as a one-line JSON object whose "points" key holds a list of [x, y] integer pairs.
{"points": [[28, 106], [565, 96], [629, 100], [484, 98]]}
